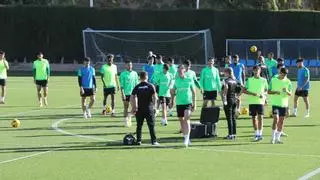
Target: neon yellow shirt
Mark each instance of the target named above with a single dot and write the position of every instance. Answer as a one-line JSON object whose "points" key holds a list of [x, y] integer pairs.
{"points": [[282, 99], [258, 86], [3, 69], [109, 75]]}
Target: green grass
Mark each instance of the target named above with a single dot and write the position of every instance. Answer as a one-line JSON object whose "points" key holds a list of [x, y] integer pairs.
{"points": [[98, 153]]}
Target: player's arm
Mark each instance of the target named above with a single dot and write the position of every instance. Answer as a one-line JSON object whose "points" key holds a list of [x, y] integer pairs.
{"points": [[6, 64], [34, 72], [134, 101], [196, 82], [194, 105], [122, 86], [117, 81], [80, 82], [218, 81], [154, 97], [243, 74], [173, 94], [288, 90], [202, 80], [270, 91], [224, 94], [48, 70]]}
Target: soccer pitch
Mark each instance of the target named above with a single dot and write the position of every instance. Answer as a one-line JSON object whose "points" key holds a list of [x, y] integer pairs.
{"points": [[57, 143]]}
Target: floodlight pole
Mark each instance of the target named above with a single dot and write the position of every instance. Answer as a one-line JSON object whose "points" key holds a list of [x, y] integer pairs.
{"points": [[198, 3], [91, 3]]}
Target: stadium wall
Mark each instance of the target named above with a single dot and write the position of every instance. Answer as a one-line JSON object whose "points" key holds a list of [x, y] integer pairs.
{"points": [[57, 30]]}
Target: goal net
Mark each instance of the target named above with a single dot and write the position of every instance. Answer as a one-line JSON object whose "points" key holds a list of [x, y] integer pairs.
{"points": [[135, 45]]}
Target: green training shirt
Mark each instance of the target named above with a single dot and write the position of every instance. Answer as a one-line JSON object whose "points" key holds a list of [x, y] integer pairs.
{"points": [[165, 82], [192, 76], [3, 69], [109, 75], [42, 68], [128, 80], [173, 70], [210, 79], [282, 99], [258, 86], [183, 90], [158, 69], [271, 64]]}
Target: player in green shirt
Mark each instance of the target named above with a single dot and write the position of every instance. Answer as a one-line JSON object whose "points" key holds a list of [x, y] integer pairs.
{"points": [[164, 80], [191, 74], [4, 67], [128, 80], [271, 65], [280, 89], [210, 83], [41, 74], [173, 70], [256, 88], [158, 69], [185, 93], [109, 76]]}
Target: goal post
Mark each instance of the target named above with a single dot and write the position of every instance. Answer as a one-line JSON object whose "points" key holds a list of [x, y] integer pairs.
{"points": [[134, 45]]}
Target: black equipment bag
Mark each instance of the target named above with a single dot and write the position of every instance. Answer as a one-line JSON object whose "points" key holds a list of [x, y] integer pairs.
{"points": [[129, 139], [210, 115], [198, 130]]}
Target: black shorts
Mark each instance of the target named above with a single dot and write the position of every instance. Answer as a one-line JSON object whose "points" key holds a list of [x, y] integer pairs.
{"points": [[3, 82], [182, 108], [256, 109], [87, 92], [42, 83], [164, 100], [107, 91], [281, 111], [302, 93], [127, 98], [210, 95], [157, 88]]}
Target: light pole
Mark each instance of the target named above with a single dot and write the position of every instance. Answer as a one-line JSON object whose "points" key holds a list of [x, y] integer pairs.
{"points": [[91, 3], [198, 3]]}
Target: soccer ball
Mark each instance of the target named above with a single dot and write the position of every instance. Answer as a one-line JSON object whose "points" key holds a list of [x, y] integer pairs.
{"points": [[244, 111], [15, 123], [108, 109], [253, 49]]}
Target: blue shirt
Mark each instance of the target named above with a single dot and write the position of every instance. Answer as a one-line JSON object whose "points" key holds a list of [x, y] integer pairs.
{"points": [[238, 70], [303, 76], [87, 74], [149, 69]]}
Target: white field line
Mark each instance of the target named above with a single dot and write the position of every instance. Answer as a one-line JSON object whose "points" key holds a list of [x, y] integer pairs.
{"points": [[310, 174], [40, 109], [55, 126], [28, 156]]}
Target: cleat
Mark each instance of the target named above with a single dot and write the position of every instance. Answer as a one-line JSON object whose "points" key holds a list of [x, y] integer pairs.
{"points": [[155, 144], [138, 143], [170, 112], [307, 115], [104, 112], [164, 122], [273, 141], [278, 142], [89, 113], [229, 137], [85, 116], [257, 138], [284, 134], [113, 115]]}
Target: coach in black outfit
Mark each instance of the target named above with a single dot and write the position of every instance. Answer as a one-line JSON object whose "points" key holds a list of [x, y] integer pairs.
{"points": [[143, 101], [230, 93]]}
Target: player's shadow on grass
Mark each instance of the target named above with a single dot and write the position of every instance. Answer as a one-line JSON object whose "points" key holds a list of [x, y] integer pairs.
{"points": [[81, 134], [22, 117]]}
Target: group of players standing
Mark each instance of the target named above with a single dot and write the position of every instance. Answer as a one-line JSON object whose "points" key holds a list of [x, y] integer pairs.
{"points": [[176, 85]]}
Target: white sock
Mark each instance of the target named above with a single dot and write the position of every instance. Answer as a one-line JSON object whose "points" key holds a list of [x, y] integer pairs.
{"points": [[104, 107], [295, 110], [278, 135], [274, 134], [260, 132], [308, 110], [186, 137], [113, 111], [1, 99], [257, 132]]}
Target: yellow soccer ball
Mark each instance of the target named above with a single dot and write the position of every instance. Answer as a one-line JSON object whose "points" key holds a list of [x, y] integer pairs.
{"points": [[244, 111], [253, 49], [15, 123], [108, 109]]}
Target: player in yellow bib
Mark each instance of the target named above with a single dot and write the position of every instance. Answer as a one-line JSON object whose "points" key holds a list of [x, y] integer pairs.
{"points": [[4, 67], [41, 74], [109, 76], [280, 89]]}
